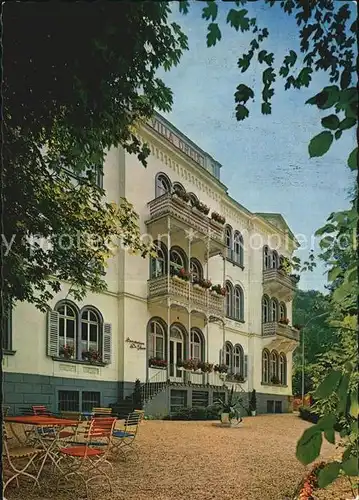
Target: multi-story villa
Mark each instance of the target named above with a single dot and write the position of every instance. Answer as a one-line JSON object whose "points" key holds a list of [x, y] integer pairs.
{"points": [[216, 294]]}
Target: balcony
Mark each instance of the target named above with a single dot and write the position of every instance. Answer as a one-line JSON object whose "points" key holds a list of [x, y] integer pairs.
{"points": [[187, 218], [279, 284], [280, 330], [184, 294]]}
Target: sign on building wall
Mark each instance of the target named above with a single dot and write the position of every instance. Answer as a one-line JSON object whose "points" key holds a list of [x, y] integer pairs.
{"points": [[135, 344]]}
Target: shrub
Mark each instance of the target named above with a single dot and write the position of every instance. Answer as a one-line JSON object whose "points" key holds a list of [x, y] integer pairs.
{"points": [[196, 413]]}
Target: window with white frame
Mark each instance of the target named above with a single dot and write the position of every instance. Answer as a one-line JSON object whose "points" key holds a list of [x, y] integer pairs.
{"points": [[196, 345], [158, 263], [163, 185], [275, 260], [282, 311], [228, 355], [156, 340], [67, 326], [238, 248], [238, 359], [283, 369], [274, 310], [196, 269], [90, 331], [177, 258], [265, 366], [265, 309], [266, 258], [229, 300], [229, 242], [238, 304], [273, 364]]}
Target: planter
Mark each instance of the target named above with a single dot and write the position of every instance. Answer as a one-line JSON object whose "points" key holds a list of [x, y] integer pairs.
{"points": [[253, 413], [225, 418], [198, 287]]}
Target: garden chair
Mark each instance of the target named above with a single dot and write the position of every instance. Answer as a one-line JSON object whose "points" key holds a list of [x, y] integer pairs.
{"points": [[40, 410], [123, 439], [98, 412], [86, 460], [17, 460], [5, 410]]}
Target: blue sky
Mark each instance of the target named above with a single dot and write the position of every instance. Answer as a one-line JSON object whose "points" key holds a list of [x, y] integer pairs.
{"points": [[265, 161]]}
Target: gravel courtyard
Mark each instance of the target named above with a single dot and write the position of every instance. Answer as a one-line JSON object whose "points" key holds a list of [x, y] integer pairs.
{"points": [[200, 461]]}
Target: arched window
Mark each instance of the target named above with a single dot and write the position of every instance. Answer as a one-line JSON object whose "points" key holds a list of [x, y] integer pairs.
{"points": [[163, 185], [238, 248], [273, 365], [282, 311], [229, 299], [156, 339], [196, 269], [229, 242], [178, 188], [238, 359], [158, 264], [275, 260], [178, 259], [265, 309], [228, 355], [238, 303], [197, 345], [283, 369], [193, 199], [265, 366], [274, 310], [67, 325], [266, 258], [90, 330]]}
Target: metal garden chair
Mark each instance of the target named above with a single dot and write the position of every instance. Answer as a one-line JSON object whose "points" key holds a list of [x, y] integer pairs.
{"points": [[123, 439]]}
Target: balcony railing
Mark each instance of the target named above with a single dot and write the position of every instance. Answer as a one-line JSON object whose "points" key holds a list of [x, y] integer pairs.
{"points": [[278, 282], [279, 329], [170, 205], [185, 292]]}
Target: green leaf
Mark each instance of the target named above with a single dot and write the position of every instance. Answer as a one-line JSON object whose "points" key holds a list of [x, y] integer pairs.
{"points": [[334, 273], [308, 446], [243, 93], [320, 144], [245, 61], [237, 19], [350, 467], [213, 35], [291, 59], [354, 404], [326, 98], [183, 6], [327, 422], [328, 474], [328, 385], [345, 79], [210, 12], [268, 76], [241, 112], [261, 56], [329, 435], [347, 123], [331, 122], [338, 134], [343, 393], [353, 159], [304, 77], [328, 228], [266, 108]]}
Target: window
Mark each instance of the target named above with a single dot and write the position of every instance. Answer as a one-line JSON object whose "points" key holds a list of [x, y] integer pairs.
{"points": [[178, 188], [228, 355], [178, 259], [229, 300], [283, 369], [238, 305], [68, 401], [270, 406], [193, 199], [275, 260], [90, 400], [163, 185], [273, 365], [265, 366], [156, 340], [266, 258], [238, 248], [229, 242], [238, 359], [274, 311], [67, 325], [158, 264], [178, 400], [196, 345], [200, 399], [265, 309], [93, 174], [90, 330], [6, 326], [196, 269], [282, 311], [278, 407]]}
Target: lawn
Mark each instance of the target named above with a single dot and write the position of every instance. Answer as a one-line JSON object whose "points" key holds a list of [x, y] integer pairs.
{"points": [[201, 461]]}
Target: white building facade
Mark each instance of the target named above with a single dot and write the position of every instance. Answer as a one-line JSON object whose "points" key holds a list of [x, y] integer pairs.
{"points": [[216, 299]]}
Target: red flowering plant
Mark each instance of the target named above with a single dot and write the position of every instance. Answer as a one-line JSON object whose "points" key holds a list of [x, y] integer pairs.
{"points": [[205, 367], [92, 355], [181, 273], [310, 483], [203, 283], [191, 364], [67, 351], [157, 362], [220, 290], [221, 368]]}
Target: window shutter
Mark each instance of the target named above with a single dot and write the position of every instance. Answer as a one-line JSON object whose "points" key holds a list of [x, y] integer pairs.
{"points": [[245, 366], [107, 343], [52, 333]]}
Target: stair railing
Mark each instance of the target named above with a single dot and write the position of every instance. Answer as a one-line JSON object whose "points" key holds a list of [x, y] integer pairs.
{"points": [[154, 385]]}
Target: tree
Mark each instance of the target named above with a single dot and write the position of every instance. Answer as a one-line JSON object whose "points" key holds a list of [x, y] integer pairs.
{"points": [[77, 78]]}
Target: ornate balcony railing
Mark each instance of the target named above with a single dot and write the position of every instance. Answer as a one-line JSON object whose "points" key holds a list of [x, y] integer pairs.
{"points": [[173, 206], [278, 329], [279, 283], [186, 294]]}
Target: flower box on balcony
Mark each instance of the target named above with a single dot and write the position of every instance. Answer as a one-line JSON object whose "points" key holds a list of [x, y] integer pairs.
{"points": [[218, 218], [218, 290], [284, 321], [221, 368], [157, 363]]}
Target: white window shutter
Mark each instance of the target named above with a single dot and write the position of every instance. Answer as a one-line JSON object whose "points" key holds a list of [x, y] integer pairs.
{"points": [[245, 366], [52, 333], [107, 343]]}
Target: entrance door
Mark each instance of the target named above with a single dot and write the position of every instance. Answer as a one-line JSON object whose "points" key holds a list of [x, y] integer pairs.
{"points": [[176, 353]]}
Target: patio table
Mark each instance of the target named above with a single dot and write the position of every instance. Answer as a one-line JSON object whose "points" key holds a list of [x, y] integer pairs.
{"points": [[37, 421]]}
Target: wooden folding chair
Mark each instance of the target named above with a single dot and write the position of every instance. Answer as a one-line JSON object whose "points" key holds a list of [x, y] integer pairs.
{"points": [[104, 412], [123, 439], [86, 461], [17, 460]]}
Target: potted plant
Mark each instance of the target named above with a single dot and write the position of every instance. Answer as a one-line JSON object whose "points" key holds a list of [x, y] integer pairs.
{"points": [[181, 274], [67, 351], [253, 403], [197, 282], [218, 218], [284, 321], [275, 380], [229, 410], [190, 364], [218, 290], [157, 362], [205, 367], [92, 356], [221, 368], [181, 194]]}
